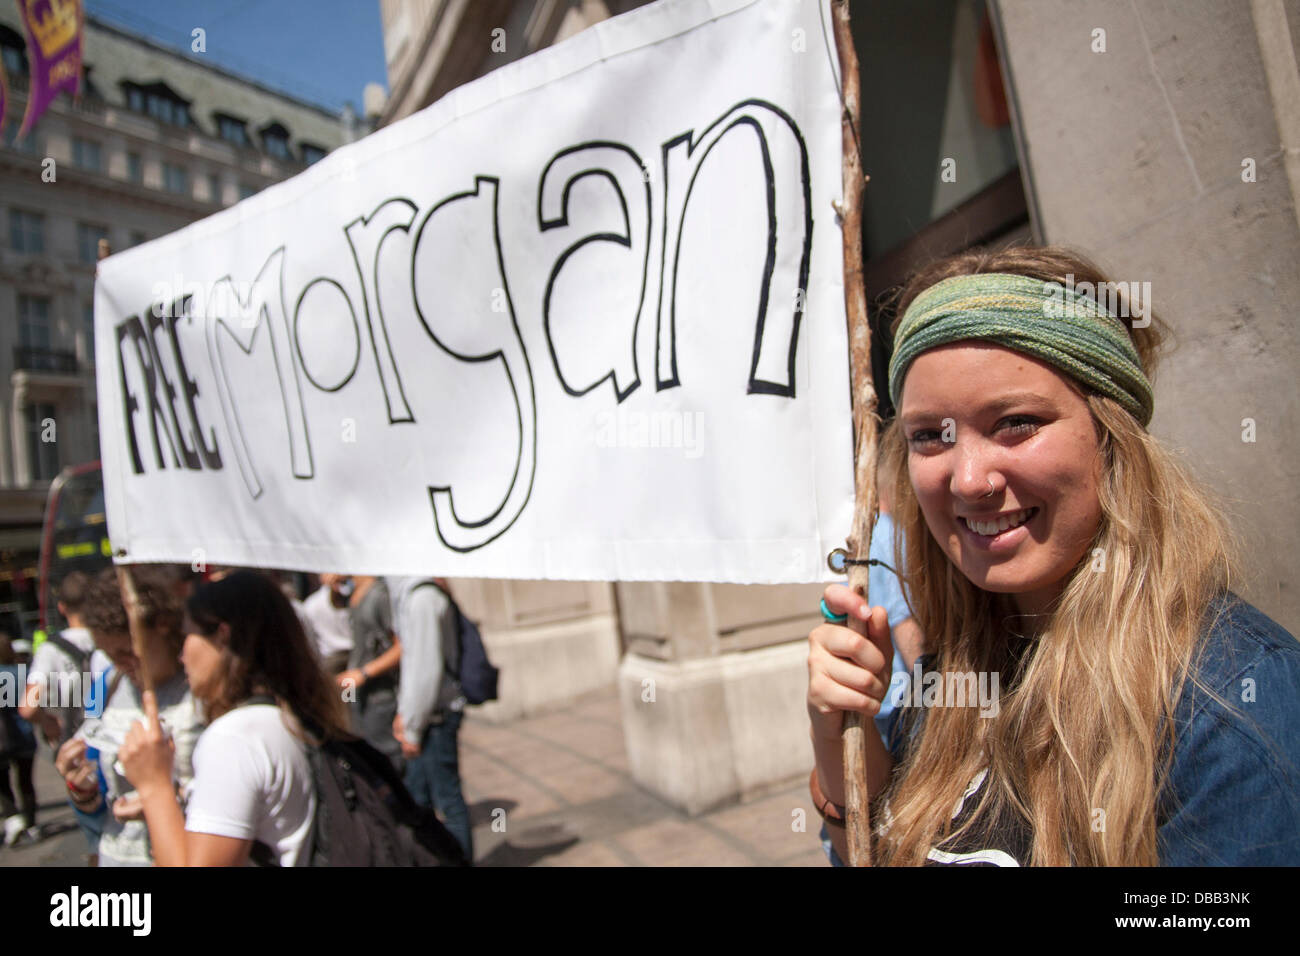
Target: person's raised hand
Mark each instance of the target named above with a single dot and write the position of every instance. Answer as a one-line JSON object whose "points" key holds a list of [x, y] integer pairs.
{"points": [[847, 671], [146, 756]]}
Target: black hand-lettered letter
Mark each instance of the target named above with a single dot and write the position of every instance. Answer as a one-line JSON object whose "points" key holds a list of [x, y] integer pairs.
{"points": [[475, 333], [789, 202], [604, 341]]}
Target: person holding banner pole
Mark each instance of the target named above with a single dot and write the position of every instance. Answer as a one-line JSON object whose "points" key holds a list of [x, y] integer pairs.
{"points": [[1094, 693], [107, 807], [249, 664]]}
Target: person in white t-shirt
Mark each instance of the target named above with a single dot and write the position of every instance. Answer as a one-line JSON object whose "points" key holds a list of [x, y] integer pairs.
{"points": [[251, 667], [330, 616], [105, 802], [62, 669]]}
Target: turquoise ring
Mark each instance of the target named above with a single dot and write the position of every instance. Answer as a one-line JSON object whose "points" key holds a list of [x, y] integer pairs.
{"points": [[832, 618]]}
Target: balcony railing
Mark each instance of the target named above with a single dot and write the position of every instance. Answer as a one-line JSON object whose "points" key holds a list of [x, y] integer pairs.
{"points": [[27, 358]]}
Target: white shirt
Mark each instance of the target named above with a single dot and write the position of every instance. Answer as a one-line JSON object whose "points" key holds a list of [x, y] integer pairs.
{"points": [[252, 781], [332, 625], [127, 844], [51, 659]]}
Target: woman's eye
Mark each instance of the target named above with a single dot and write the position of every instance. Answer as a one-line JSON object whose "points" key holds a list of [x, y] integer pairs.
{"points": [[1021, 424], [924, 436]]}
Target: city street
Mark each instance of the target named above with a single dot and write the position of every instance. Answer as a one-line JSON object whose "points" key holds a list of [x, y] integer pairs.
{"points": [[558, 788], [61, 843], [591, 404]]}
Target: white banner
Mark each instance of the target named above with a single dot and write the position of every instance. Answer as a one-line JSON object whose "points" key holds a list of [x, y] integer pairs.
{"points": [[583, 318]]}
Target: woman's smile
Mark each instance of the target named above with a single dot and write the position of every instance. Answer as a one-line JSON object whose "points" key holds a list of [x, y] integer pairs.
{"points": [[998, 531], [1003, 459]]}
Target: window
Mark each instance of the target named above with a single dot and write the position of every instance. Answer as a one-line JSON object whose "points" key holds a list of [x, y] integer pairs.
{"points": [[277, 146], [33, 322], [275, 140], [158, 101], [134, 168], [160, 109], [26, 231], [232, 130], [88, 236], [88, 86], [175, 179], [12, 53], [312, 154], [14, 61], [87, 154], [214, 188], [42, 449], [25, 145]]}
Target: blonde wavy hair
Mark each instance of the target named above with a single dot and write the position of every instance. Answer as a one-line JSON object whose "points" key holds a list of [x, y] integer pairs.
{"points": [[1084, 719]]}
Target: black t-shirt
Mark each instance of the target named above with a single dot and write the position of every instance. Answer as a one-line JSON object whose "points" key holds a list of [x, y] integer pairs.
{"points": [[998, 841], [1002, 839]]}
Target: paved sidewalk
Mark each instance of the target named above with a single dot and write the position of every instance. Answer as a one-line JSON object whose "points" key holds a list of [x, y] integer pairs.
{"points": [[62, 843], [560, 786], [567, 798]]}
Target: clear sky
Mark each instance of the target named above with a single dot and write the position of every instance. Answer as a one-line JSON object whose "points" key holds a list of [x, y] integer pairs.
{"points": [[323, 51]]}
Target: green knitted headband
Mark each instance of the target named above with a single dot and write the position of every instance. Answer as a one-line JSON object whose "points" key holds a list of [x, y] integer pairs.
{"points": [[1047, 320]]}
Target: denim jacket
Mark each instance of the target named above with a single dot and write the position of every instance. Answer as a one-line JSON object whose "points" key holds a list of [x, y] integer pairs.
{"points": [[1232, 797], [1233, 794]]}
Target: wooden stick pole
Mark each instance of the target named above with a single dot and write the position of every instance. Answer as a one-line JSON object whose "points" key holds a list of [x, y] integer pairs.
{"points": [[864, 425], [135, 610]]}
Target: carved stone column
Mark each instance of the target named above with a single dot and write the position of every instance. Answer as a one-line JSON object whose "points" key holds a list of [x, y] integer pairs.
{"points": [[712, 688], [18, 436]]}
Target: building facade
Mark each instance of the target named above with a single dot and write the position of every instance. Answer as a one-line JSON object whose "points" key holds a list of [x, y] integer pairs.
{"points": [[1168, 155], [158, 139]]}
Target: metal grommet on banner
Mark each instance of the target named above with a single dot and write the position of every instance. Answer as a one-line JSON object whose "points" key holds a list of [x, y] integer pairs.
{"points": [[839, 561]]}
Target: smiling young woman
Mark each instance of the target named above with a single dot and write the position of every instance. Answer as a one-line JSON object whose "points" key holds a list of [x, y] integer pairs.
{"points": [[1148, 715]]}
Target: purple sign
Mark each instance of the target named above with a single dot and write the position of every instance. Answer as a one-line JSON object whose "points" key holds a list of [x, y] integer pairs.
{"points": [[54, 30]]}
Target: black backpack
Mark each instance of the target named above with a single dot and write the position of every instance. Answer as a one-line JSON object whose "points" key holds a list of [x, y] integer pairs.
{"points": [[74, 715], [364, 814]]}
